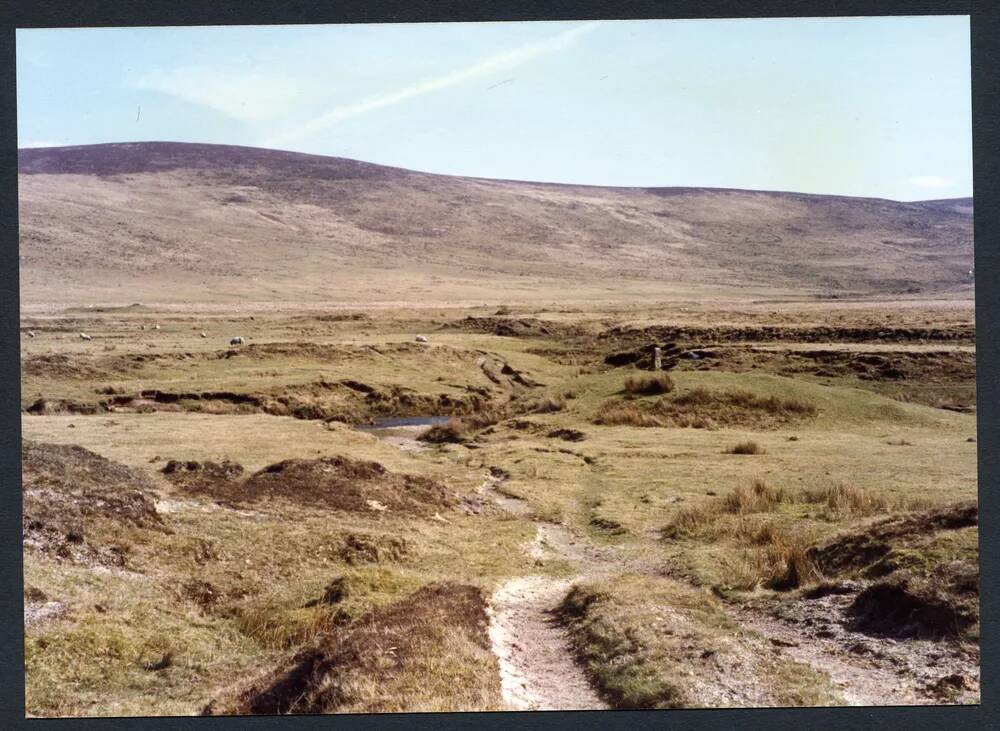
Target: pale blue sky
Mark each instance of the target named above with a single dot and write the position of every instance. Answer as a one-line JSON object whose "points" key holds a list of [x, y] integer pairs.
{"points": [[855, 106]]}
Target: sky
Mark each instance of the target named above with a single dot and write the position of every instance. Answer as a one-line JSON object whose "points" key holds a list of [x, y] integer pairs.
{"points": [[876, 107]]}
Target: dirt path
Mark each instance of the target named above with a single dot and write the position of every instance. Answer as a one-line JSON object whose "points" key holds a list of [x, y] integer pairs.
{"points": [[537, 667], [538, 670]]}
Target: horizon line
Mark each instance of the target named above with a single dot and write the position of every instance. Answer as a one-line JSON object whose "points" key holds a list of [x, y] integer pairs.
{"points": [[497, 179]]}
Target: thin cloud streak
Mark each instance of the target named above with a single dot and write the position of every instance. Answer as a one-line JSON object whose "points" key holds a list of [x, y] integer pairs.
{"points": [[492, 64]]}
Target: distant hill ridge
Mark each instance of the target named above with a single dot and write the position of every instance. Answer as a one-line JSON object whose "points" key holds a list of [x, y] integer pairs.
{"points": [[224, 222]]}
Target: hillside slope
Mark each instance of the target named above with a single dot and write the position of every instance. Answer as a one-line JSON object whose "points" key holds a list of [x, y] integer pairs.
{"points": [[170, 222]]}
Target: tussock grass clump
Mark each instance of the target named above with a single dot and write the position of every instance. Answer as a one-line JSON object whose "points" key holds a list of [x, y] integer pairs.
{"points": [[748, 447], [278, 627], [740, 399], [654, 385], [780, 560], [757, 497], [616, 413], [548, 404], [451, 432], [847, 500], [688, 520], [701, 408], [486, 414]]}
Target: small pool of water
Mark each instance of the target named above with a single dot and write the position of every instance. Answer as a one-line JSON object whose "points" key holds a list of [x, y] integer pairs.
{"points": [[400, 421]]}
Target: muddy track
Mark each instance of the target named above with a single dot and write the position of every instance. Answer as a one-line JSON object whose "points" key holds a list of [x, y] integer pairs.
{"points": [[538, 670]]}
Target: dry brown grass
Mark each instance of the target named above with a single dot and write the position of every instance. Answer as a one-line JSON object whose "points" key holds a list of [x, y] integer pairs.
{"points": [[701, 408], [618, 413], [744, 400], [547, 404], [688, 520], [274, 626], [757, 497], [773, 552], [454, 431], [654, 385], [779, 560], [845, 500]]}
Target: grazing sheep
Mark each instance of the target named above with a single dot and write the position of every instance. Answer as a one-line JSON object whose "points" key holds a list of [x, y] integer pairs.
{"points": [[236, 341], [203, 334], [156, 327], [85, 336], [30, 334], [421, 338]]}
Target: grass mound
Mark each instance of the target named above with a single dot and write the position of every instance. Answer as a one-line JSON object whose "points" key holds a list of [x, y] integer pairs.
{"points": [[346, 484], [748, 447], [906, 605], [702, 408], [336, 483], [427, 652], [75, 500], [201, 477], [867, 549]]}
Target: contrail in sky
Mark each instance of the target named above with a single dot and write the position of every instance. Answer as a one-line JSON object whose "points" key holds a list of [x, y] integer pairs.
{"points": [[492, 64]]}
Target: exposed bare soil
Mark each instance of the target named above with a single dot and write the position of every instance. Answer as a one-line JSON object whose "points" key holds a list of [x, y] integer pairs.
{"points": [[68, 491], [336, 483]]}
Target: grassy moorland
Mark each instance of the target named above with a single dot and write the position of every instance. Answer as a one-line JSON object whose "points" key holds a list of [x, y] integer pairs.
{"points": [[786, 517]]}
